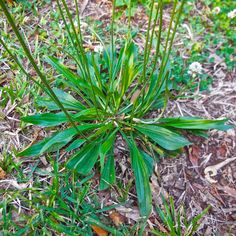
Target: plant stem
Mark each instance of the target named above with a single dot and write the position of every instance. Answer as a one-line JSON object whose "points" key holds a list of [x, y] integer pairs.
{"points": [[82, 52], [129, 20], [166, 54], [147, 42]]}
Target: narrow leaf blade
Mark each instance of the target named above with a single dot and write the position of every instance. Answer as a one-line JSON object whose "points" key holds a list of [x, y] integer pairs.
{"points": [[195, 123], [141, 179]]}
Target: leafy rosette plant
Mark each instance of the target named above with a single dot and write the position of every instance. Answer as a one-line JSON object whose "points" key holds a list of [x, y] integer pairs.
{"points": [[110, 93]]}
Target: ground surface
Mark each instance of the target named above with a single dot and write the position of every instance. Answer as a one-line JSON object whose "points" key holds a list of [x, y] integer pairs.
{"points": [[182, 177]]}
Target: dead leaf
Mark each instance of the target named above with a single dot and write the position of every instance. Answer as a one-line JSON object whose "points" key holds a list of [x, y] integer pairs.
{"points": [[2, 115], [216, 194], [14, 183], [130, 213], [219, 74], [99, 231], [117, 218], [44, 160], [35, 138], [194, 154], [222, 151], [10, 1], [157, 189], [228, 190], [135, 96], [231, 132], [72, 67], [84, 5], [161, 227], [2, 173]]}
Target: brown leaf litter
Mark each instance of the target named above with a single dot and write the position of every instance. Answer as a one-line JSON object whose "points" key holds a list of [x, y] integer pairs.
{"points": [[2, 173]]}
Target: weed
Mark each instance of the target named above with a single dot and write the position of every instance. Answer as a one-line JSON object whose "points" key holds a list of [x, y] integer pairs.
{"points": [[176, 221], [110, 92]]}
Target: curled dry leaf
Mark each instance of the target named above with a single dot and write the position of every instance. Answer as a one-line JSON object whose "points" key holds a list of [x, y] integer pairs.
{"points": [[2, 174], [211, 171], [99, 231]]}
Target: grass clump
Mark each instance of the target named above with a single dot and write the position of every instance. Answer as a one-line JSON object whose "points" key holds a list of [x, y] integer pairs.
{"points": [[176, 220], [65, 206], [110, 93]]}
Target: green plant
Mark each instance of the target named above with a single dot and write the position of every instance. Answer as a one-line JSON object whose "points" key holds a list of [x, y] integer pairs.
{"points": [[111, 93], [211, 33], [176, 221], [7, 163], [60, 207]]}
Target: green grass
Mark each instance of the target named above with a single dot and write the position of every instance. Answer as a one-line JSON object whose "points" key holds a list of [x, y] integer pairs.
{"points": [[64, 203], [212, 34], [176, 221]]}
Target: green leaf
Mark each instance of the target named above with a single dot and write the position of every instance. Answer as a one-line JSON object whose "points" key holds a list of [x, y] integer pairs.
{"points": [[163, 137], [148, 161], [51, 144], [52, 119], [59, 140], [167, 216], [46, 119], [68, 101], [106, 147], [141, 179], [195, 123], [33, 150], [121, 3], [56, 141], [199, 132], [76, 144], [87, 114], [75, 79], [158, 233], [60, 228], [108, 173], [84, 160], [194, 224]]}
